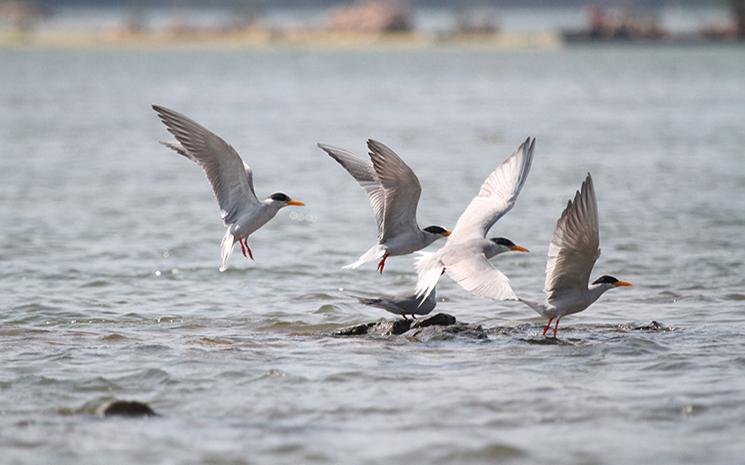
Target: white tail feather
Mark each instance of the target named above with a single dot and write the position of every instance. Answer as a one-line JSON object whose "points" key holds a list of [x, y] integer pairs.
{"points": [[375, 252], [429, 269], [226, 248]]}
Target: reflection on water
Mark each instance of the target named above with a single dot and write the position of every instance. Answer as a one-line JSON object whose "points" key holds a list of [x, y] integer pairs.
{"points": [[110, 252]]}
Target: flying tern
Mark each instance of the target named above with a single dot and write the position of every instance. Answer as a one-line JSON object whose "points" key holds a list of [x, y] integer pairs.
{"points": [[465, 256], [231, 179], [393, 190], [574, 249]]}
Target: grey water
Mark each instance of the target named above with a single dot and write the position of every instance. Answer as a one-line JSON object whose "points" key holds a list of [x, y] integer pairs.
{"points": [[109, 252]]}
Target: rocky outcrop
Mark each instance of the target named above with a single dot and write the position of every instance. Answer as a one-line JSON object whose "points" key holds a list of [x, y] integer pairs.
{"points": [[439, 326]]}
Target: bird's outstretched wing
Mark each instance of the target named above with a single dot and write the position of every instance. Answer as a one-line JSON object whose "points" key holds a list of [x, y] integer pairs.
{"points": [[363, 172], [478, 276], [496, 197], [230, 177], [401, 188], [575, 245]]}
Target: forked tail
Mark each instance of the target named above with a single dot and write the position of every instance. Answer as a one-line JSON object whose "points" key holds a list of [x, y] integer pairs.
{"points": [[375, 252], [428, 269], [226, 248]]}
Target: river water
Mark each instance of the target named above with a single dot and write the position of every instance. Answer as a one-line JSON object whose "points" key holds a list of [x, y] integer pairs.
{"points": [[109, 285]]}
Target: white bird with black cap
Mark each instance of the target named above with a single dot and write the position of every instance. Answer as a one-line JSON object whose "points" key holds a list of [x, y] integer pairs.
{"points": [[231, 179], [574, 249], [394, 191], [465, 256]]}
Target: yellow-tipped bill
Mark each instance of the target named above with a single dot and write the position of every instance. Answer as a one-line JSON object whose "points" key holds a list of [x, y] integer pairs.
{"points": [[296, 202], [519, 248], [622, 283], [447, 233]]}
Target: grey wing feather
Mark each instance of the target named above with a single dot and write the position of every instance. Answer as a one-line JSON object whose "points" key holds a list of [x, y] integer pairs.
{"points": [[497, 195], [401, 187], [575, 245], [230, 177], [363, 172]]}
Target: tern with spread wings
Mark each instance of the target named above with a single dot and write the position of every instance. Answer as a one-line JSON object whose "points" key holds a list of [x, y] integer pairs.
{"points": [[231, 179], [574, 249], [465, 256], [393, 190]]}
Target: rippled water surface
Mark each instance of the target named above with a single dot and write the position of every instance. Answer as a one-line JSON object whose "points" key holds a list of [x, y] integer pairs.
{"points": [[109, 250]]}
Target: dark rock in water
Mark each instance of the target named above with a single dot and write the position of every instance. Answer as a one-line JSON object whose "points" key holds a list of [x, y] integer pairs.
{"points": [[449, 331], [376, 328], [441, 319], [126, 408], [653, 326], [439, 326]]}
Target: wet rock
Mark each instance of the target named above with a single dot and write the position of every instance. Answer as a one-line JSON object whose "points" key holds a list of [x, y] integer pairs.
{"points": [[126, 408], [653, 326], [395, 327], [449, 331], [441, 319], [435, 327], [376, 328]]}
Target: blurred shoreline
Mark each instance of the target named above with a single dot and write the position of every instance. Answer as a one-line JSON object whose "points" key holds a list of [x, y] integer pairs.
{"points": [[367, 24]]}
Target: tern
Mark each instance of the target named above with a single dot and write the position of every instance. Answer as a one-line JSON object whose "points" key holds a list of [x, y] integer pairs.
{"points": [[465, 256], [231, 179], [573, 251], [404, 304], [393, 190]]}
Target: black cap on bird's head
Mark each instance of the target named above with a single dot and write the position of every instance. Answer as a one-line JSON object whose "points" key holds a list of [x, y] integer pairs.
{"points": [[280, 197], [504, 242], [606, 279], [437, 230]]}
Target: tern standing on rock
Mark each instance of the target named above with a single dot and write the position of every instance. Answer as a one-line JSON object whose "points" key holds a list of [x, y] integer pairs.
{"points": [[231, 179], [574, 249], [404, 304], [394, 192], [465, 256]]}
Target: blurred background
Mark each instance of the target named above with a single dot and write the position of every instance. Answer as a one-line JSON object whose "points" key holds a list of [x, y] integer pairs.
{"points": [[365, 22]]}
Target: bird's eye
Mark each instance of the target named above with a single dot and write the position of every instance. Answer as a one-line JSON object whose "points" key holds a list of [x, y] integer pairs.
{"points": [[435, 229]]}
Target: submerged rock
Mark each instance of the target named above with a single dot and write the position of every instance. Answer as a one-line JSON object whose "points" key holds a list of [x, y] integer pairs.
{"points": [[126, 408], [439, 326]]}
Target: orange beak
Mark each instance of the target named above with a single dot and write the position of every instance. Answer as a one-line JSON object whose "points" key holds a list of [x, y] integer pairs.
{"points": [[622, 283], [519, 248], [447, 233], [296, 202]]}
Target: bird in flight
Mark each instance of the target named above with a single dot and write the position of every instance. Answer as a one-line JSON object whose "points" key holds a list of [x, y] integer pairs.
{"points": [[394, 191], [231, 179], [574, 249], [465, 256]]}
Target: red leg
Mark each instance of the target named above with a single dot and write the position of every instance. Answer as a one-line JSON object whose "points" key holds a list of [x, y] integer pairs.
{"points": [[548, 325], [381, 264], [556, 328], [250, 254], [243, 249]]}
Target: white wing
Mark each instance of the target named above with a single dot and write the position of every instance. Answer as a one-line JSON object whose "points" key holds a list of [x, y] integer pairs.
{"points": [[401, 187], [496, 197], [574, 246], [230, 177], [364, 173], [477, 275]]}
